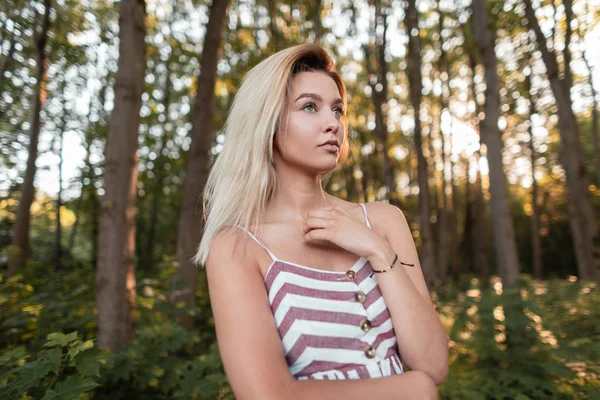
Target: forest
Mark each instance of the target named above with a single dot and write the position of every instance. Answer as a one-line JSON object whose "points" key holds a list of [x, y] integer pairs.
{"points": [[477, 118]]}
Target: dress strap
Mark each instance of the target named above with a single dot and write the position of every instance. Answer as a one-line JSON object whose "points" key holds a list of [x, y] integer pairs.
{"points": [[366, 215], [257, 240]]}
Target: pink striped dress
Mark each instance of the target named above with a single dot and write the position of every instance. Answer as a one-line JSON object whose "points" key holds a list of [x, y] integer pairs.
{"points": [[333, 325]]}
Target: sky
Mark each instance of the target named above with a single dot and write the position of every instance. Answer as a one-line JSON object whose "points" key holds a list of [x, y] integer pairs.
{"points": [[463, 136]]}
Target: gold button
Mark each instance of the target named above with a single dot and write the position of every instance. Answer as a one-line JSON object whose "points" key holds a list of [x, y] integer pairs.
{"points": [[351, 275], [365, 325], [370, 352], [361, 297]]}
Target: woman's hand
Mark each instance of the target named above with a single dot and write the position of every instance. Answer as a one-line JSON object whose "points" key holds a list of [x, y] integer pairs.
{"points": [[338, 226]]}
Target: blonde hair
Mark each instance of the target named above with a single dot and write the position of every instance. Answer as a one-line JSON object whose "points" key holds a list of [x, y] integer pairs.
{"points": [[243, 177]]}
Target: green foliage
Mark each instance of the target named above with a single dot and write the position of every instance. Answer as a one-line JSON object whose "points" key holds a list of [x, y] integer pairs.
{"points": [[68, 367], [512, 344], [536, 342], [49, 348]]}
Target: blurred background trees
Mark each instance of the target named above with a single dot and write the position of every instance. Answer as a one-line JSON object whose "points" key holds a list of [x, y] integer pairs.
{"points": [[478, 119]]}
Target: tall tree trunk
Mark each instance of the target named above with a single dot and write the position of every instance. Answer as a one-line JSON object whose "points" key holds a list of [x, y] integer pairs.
{"points": [[582, 217], [465, 248], [79, 200], [536, 243], [467, 245], [274, 36], [444, 100], [416, 85], [18, 256], [115, 279], [318, 25], [157, 191], [480, 259], [58, 230], [189, 231], [379, 90], [568, 76], [595, 123], [504, 237], [367, 178]]}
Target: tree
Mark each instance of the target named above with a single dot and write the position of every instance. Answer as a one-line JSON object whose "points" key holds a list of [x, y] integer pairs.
{"points": [[504, 237], [115, 279], [411, 22], [189, 231], [444, 100], [536, 242], [582, 217], [18, 257]]}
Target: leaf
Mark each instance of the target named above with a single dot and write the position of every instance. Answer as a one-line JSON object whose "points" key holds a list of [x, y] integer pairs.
{"points": [[70, 389], [60, 339], [48, 360], [88, 362], [79, 347], [31, 373], [15, 353]]}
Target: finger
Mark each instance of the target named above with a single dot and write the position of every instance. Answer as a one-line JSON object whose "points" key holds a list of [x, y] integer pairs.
{"points": [[317, 234], [315, 223]]}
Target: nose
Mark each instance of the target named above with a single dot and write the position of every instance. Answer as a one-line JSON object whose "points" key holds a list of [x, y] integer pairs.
{"points": [[332, 124]]}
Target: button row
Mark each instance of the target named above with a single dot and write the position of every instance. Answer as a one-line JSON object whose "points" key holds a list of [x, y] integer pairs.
{"points": [[365, 324]]}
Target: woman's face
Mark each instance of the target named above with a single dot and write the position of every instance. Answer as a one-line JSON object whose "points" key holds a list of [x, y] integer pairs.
{"points": [[312, 117]]}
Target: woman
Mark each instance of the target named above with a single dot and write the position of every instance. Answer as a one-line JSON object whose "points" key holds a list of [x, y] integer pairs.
{"points": [[294, 308]]}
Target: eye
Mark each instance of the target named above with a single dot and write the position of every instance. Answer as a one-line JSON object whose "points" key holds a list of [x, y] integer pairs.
{"points": [[310, 107], [338, 111]]}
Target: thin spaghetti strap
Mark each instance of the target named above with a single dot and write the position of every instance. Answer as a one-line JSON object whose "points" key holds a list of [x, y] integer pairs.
{"points": [[257, 240], [366, 215]]}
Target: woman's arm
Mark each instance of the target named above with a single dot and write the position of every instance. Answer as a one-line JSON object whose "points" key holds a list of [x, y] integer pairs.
{"points": [[422, 340], [250, 345]]}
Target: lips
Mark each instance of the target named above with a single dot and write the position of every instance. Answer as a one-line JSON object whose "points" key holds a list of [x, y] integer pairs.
{"points": [[330, 147], [332, 143]]}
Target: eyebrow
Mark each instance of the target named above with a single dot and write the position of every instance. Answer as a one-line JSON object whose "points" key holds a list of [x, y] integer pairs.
{"points": [[317, 97]]}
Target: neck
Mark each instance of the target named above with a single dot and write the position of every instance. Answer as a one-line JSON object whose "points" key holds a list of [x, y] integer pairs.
{"points": [[295, 196]]}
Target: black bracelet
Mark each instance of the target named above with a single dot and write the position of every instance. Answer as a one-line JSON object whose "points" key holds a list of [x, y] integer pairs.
{"points": [[391, 266], [388, 268]]}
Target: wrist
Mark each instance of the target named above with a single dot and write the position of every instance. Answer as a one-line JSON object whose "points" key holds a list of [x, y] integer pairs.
{"points": [[382, 255]]}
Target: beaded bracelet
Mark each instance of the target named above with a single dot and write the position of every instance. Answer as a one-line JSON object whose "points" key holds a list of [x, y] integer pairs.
{"points": [[391, 266]]}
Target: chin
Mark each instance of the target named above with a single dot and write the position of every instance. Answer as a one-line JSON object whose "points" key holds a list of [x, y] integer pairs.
{"points": [[327, 170]]}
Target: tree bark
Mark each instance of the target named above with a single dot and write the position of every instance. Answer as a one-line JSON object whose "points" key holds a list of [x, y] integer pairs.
{"points": [[190, 225], [17, 259], [504, 237], [379, 91], [536, 243], [595, 127], [115, 279], [58, 230], [273, 32], [318, 26], [479, 235], [416, 85], [444, 100], [467, 246], [568, 76], [582, 217]]}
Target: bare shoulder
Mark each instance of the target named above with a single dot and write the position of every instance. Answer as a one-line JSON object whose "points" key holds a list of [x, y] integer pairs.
{"points": [[384, 217], [232, 247]]}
